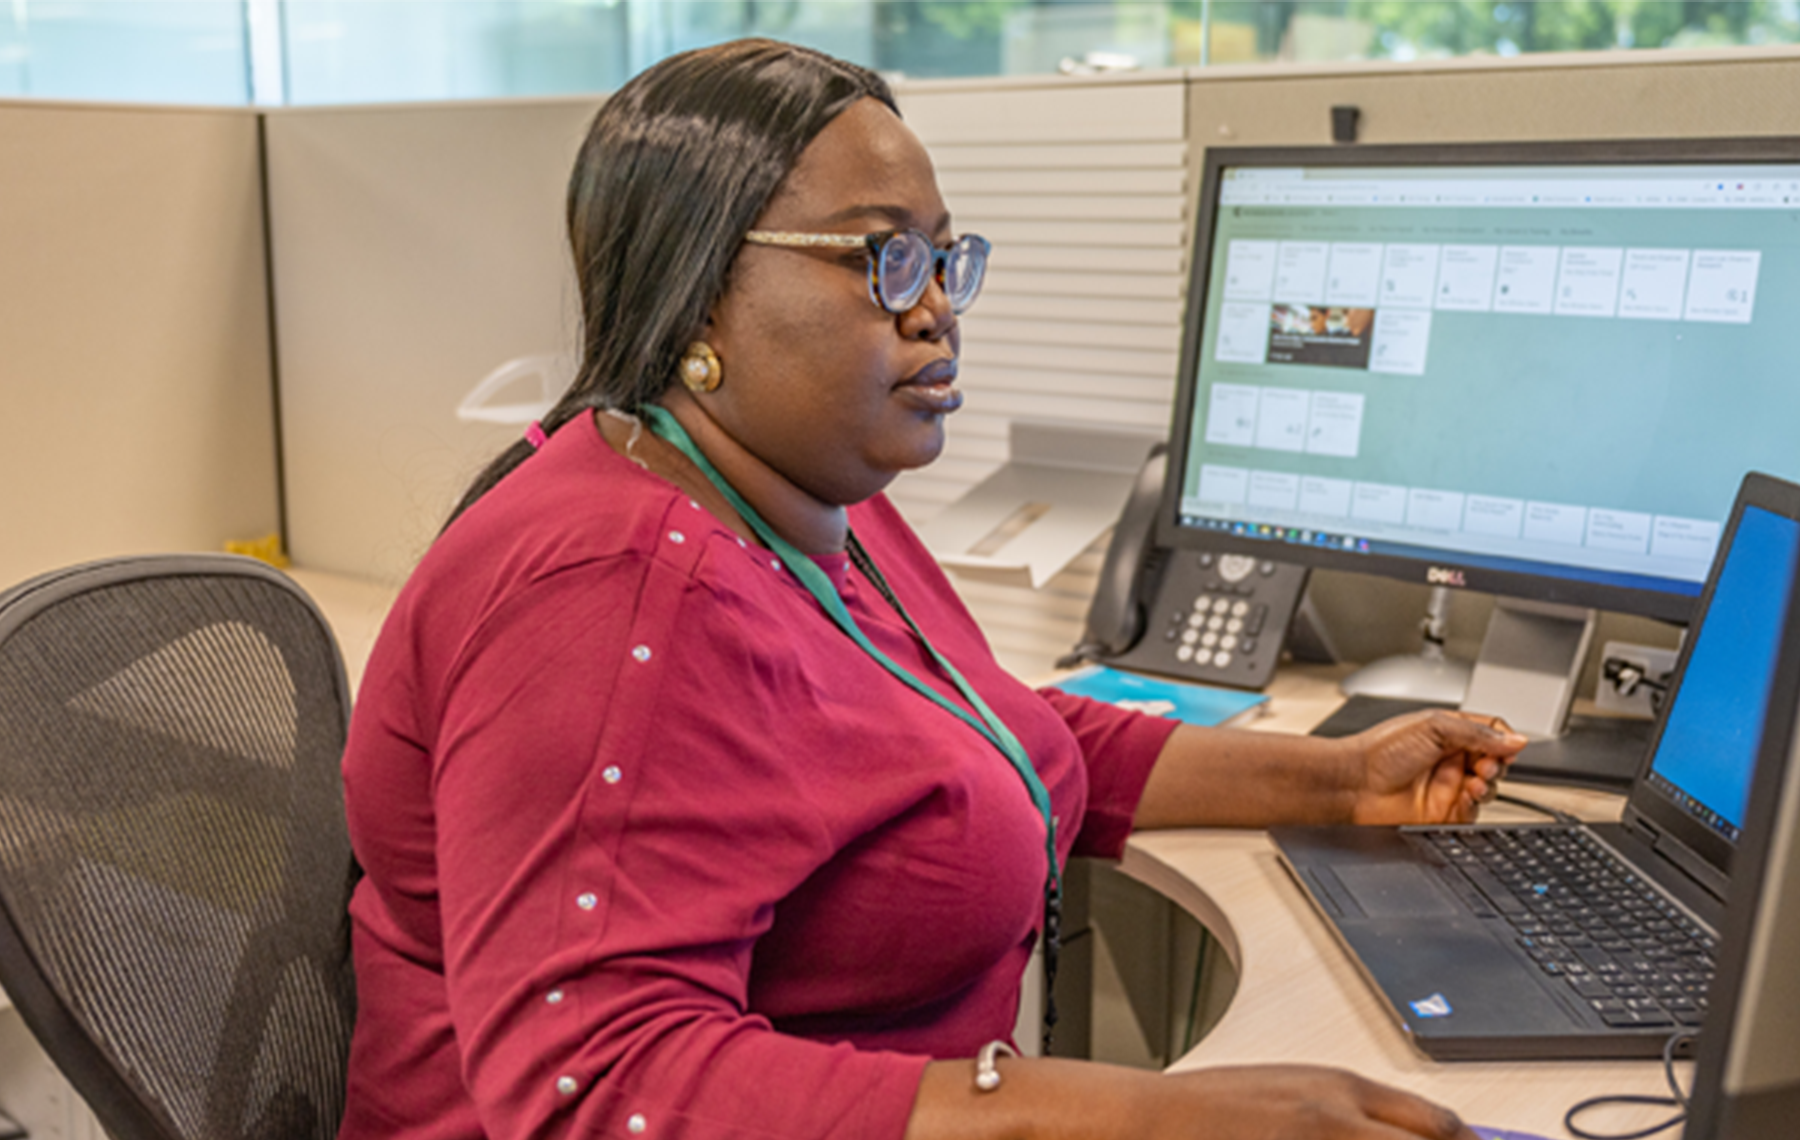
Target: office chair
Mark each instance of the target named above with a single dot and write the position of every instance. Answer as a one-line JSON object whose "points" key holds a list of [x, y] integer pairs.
{"points": [[174, 861]]}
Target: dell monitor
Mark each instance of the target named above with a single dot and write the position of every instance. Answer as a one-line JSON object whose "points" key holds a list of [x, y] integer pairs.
{"points": [[1538, 371]]}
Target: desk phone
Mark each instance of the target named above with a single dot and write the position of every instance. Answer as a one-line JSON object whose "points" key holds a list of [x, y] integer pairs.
{"points": [[1220, 619]]}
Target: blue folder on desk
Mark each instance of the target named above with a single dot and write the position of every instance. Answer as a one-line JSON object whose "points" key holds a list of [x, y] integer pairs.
{"points": [[1194, 704]]}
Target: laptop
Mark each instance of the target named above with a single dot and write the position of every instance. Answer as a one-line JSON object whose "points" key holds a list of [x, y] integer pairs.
{"points": [[1567, 940]]}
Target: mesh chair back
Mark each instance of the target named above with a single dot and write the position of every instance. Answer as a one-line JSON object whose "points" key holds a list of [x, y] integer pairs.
{"points": [[174, 863]]}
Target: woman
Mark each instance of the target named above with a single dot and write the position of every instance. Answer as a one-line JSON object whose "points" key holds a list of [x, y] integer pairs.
{"points": [[691, 800]]}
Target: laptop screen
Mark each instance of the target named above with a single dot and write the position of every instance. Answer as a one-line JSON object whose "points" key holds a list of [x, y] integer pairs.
{"points": [[1707, 749]]}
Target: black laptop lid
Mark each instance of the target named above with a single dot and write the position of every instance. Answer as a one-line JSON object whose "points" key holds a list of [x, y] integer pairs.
{"points": [[1696, 783]]}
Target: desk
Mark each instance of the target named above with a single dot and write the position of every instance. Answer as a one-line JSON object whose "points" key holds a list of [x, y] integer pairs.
{"points": [[1299, 999]]}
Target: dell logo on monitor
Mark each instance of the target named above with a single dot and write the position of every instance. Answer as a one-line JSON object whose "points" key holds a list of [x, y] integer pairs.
{"points": [[1444, 576]]}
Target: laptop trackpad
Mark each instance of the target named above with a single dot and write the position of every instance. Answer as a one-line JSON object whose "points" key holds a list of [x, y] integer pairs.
{"points": [[1394, 890]]}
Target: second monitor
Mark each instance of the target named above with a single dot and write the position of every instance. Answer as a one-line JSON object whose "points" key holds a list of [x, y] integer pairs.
{"points": [[1533, 370]]}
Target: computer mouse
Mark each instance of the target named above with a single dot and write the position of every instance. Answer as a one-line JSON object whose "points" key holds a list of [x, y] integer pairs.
{"points": [[1488, 1133]]}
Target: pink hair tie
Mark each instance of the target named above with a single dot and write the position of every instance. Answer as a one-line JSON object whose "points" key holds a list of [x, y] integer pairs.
{"points": [[534, 435]]}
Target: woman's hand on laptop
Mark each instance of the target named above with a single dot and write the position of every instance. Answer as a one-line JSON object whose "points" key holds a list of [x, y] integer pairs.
{"points": [[1431, 767]]}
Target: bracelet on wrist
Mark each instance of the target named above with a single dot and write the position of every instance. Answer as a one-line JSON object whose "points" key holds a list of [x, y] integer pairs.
{"points": [[987, 1073]]}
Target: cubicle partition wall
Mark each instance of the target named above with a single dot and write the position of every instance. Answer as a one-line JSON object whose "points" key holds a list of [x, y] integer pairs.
{"points": [[416, 249], [135, 405], [1081, 185]]}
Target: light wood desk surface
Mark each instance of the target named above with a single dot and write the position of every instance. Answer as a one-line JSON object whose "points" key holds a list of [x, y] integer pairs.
{"points": [[1299, 998]]}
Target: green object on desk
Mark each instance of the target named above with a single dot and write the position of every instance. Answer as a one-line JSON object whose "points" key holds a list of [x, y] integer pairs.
{"points": [[1194, 704]]}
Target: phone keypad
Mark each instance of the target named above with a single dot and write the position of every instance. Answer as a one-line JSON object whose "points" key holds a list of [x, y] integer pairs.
{"points": [[1216, 629], [1220, 618]]}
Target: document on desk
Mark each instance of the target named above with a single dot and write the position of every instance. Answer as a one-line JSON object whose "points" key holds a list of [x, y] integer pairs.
{"points": [[1194, 704]]}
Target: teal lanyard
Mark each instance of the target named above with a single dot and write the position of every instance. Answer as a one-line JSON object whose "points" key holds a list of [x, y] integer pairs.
{"points": [[817, 583]]}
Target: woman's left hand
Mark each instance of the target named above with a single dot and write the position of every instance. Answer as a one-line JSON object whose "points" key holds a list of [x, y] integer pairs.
{"points": [[1431, 767]]}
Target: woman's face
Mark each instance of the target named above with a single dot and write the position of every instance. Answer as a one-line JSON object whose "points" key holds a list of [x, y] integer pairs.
{"points": [[820, 383]]}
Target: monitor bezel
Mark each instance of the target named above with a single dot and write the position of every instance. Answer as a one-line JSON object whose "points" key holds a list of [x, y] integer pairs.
{"points": [[1452, 570]]}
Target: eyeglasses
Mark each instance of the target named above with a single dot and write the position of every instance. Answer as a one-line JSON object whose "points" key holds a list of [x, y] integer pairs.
{"points": [[902, 264]]}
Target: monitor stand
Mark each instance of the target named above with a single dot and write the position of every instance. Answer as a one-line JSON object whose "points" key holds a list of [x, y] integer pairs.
{"points": [[1427, 675], [1530, 662]]}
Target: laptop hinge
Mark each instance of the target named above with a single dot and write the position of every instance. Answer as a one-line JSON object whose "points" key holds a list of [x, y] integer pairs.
{"points": [[1693, 866], [1639, 826], [1671, 851]]}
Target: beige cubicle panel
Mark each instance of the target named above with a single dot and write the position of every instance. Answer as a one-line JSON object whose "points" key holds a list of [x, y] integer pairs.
{"points": [[1660, 94], [416, 248], [135, 407]]}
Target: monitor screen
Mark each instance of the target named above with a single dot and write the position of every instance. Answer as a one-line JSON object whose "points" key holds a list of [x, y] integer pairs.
{"points": [[1707, 747], [1533, 370]]}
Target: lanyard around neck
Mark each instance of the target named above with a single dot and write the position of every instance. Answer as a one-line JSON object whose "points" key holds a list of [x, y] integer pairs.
{"points": [[818, 584]]}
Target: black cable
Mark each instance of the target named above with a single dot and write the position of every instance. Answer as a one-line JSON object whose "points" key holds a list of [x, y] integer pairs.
{"points": [[1678, 1100], [1669, 1047], [1556, 814]]}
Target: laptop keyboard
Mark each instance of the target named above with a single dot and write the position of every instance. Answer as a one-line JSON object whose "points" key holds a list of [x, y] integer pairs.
{"points": [[1586, 918]]}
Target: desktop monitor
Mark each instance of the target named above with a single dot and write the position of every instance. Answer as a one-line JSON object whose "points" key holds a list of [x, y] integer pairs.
{"points": [[1535, 370]]}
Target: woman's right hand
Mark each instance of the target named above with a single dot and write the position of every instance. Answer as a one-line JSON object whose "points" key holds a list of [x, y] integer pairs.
{"points": [[1077, 1100], [1279, 1102]]}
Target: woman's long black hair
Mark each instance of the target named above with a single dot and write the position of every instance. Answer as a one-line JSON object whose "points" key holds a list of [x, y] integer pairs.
{"points": [[676, 168]]}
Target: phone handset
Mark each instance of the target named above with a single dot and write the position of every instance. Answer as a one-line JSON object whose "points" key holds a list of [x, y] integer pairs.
{"points": [[1116, 617], [1195, 614]]}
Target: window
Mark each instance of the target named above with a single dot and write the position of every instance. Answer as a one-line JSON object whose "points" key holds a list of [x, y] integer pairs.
{"points": [[338, 51]]}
